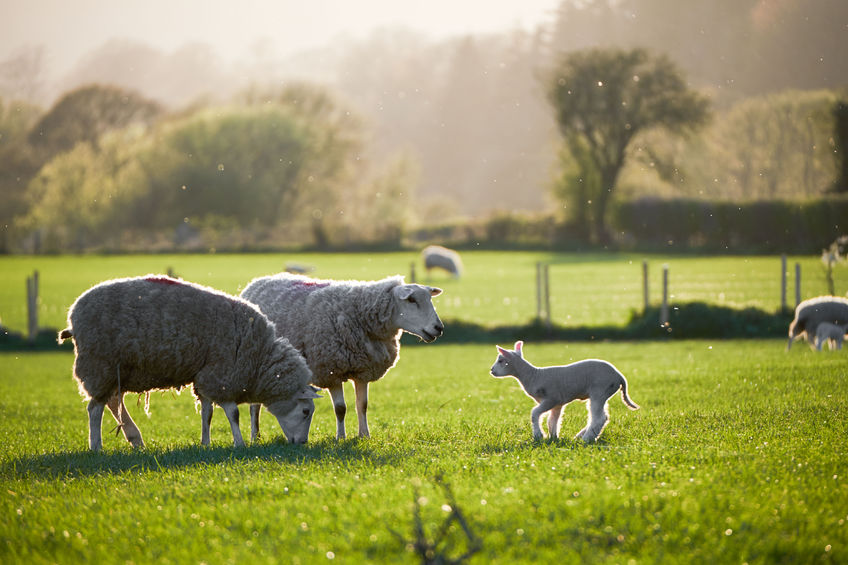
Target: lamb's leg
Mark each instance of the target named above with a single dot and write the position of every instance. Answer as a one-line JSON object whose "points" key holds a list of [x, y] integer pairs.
{"points": [[553, 421], [598, 418], [254, 421], [95, 420], [536, 413], [231, 410], [128, 427], [206, 408], [337, 394], [361, 390]]}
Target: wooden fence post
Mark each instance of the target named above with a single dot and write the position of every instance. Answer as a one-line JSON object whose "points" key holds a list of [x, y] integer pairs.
{"points": [[32, 305], [547, 297], [797, 284], [645, 295], [783, 283], [664, 308], [538, 290], [412, 273]]}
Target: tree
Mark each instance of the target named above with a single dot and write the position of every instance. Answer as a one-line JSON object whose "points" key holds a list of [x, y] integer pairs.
{"points": [[840, 140], [603, 98]]}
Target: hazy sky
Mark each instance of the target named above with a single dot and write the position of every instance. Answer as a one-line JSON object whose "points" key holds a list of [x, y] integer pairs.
{"points": [[70, 28]]}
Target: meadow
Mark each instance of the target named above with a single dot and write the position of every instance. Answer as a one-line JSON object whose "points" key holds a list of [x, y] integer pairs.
{"points": [[738, 453]]}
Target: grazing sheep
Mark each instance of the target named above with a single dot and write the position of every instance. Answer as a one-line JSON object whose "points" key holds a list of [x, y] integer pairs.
{"points": [[812, 312], [156, 332], [346, 330], [438, 257], [554, 387], [833, 334]]}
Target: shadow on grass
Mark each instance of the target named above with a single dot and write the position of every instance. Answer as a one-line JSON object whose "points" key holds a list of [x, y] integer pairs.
{"points": [[85, 463]]}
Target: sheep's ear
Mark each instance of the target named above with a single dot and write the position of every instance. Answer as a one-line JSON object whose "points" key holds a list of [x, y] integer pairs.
{"points": [[434, 291], [518, 347], [309, 392], [404, 291]]}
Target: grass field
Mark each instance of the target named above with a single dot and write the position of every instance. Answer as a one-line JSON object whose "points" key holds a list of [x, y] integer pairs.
{"points": [[498, 288], [738, 455]]}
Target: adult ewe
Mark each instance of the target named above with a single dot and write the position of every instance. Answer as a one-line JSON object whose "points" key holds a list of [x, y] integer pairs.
{"points": [[156, 332], [346, 330], [810, 313], [438, 257]]}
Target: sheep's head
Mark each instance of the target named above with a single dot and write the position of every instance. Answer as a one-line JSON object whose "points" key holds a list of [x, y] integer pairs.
{"points": [[295, 414], [504, 365], [414, 312]]}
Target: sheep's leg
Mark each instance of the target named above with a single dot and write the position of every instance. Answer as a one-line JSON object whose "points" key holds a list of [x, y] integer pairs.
{"points": [[95, 420], [254, 421], [232, 412], [536, 413], [553, 421], [598, 418], [337, 394], [128, 427], [206, 408], [361, 390]]}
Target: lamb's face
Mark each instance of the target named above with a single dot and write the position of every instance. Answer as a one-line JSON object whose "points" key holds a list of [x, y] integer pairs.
{"points": [[501, 368], [295, 414], [415, 312]]}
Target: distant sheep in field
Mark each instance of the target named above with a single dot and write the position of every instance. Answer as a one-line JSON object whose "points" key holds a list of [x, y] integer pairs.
{"points": [[438, 257], [554, 387], [346, 330], [833, 334], [156, 332], [809, 314]]}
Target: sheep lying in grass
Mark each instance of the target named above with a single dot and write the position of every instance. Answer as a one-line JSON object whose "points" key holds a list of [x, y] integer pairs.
{"points": [[833, 334], [554, 387], [438, 257], [156, 332], [810, 313], [346, 330]]}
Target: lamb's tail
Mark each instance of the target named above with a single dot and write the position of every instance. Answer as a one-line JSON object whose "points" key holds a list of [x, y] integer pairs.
{"points": [[65, 334], [626, 399]]}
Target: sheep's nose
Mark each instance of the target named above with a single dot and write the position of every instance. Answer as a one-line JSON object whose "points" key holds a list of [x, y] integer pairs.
{"points": [[439, 328]]}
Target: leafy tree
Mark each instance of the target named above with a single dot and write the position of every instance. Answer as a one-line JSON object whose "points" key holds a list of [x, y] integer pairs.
{"points": [[18, 163], [603, 98]]}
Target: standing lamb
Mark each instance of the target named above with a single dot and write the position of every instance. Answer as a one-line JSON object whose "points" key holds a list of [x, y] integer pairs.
{"points": [[812, 312], [438, 257], [833, 334], [156, 332], [346, 330], [554, 387]]}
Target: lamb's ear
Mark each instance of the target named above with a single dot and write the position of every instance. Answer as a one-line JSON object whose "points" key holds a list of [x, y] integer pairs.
{"points": [[309, 392], [518, 347], [501, 350], [434, 291]]}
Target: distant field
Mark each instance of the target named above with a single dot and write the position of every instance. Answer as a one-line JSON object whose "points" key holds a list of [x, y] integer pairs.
{"points": [[498, 287], [738, 455]]}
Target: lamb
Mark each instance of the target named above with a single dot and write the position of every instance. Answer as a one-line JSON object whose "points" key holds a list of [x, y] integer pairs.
{"points": [[554, 387], [346, 330], [438, 257], [833, 334], [812, 312], [156, 332]]}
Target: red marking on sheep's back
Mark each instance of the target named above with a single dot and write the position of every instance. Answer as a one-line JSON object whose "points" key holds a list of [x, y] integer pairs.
{"points": [[310, 284], [163, 280]]}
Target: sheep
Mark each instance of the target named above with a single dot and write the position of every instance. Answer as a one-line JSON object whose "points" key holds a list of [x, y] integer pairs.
{"points": [[554, 387], [156, 332], [438, 257], [833, 334], [346, 330], [812, 312]]}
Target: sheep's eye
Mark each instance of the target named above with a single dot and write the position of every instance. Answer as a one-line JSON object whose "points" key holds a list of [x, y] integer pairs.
{"points": [[412, 300]]}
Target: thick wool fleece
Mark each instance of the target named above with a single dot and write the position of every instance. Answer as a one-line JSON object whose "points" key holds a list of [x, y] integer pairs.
{"points": [[343, 328], [156, 332], [812, 312]]}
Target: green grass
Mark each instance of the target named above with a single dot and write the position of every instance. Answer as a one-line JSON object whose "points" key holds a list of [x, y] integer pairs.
{"points": [[737, 455], [498, 287]]}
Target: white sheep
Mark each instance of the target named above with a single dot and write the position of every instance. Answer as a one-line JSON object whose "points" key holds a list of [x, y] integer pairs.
{"points": [[812, 312], [554, 387], [156, 332], [346, 330], [438, 257], [833, 334]]}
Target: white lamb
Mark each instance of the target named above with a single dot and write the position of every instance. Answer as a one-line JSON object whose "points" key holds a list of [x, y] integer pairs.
{"points": [[156, 332], [346, 330], [833, 334], [814, 311], [438, 257], [554, 387]]}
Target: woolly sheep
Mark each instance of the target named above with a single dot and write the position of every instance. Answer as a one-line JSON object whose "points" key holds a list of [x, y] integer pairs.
{"points": [[833, 334], [156, 332], [554, 387], [812, 312], [438, 257], [346, 330]]}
